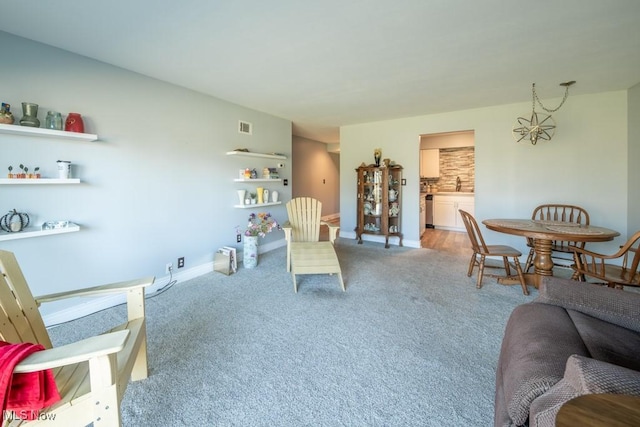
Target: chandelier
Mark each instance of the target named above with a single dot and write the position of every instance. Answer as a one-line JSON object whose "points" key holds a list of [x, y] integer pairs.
{"points": [[538, 126]]}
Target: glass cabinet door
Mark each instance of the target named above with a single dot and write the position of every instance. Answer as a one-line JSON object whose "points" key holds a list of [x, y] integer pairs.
{"points": [[379, 202]]}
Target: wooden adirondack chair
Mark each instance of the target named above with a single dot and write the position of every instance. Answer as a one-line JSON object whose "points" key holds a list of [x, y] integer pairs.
{"points": [[91, 374], [306, 254]]}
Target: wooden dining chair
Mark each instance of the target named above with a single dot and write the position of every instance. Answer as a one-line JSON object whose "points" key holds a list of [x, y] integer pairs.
{"points": [[569, 214], [616, 271], [481, 250]]}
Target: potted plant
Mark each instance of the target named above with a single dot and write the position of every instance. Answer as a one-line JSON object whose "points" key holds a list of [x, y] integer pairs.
{"points": [[253, 197]]}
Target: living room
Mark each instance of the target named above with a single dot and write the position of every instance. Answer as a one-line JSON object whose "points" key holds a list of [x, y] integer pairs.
{"points": [[157, 184]]}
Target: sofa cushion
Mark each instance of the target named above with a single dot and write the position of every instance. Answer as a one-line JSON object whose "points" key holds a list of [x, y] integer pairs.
{"points": [[608, 342], [538, 340]]}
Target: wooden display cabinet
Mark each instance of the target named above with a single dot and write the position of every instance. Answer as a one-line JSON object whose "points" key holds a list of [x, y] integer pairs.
{"points": [[379, 202]]}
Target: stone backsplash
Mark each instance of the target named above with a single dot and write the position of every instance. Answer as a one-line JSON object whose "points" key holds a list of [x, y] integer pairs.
{"points": [[456, 162]]}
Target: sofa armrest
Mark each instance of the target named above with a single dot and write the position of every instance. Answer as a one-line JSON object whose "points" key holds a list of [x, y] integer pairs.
{"points": [[583, 375], [591, 376], [611, 305]]}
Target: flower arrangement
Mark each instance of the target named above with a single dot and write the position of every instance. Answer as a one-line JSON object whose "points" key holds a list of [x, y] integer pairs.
{"points": [[260, 224]]}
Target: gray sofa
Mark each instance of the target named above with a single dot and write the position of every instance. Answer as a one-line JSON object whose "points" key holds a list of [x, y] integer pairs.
{"points": [[575, 338]]}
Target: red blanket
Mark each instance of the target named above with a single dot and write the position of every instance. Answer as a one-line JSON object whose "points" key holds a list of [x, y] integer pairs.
{"points": [[26, 393]]}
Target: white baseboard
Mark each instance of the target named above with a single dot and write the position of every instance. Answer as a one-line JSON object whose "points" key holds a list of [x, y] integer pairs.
{"points": [[85, 308], [380, 239]]}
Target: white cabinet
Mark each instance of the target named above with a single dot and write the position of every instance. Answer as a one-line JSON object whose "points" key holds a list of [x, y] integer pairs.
{"points": [[430, 163], [445, 210]]}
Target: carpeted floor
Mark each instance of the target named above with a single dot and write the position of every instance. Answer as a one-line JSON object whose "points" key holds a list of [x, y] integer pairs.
{"points": [[411, 343]]}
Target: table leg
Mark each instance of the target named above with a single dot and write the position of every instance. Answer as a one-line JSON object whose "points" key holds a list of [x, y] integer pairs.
{"points": [[542, 261]]}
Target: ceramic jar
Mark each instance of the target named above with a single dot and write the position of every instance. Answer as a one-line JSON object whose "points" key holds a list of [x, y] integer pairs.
{"points": [[64, 169], [74, 123], [53, 120]]}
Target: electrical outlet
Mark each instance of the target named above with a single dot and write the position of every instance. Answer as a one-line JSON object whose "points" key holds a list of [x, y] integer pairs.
{"points": [[168, 267], [239, 238], [285, 182], [181, 262]]}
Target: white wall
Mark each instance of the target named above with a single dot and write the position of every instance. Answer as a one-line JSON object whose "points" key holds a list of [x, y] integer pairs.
{"points": [[634, 160], [156, 186], [585, 163]]}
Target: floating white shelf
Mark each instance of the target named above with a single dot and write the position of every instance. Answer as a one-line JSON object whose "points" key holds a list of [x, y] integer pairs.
{"points": [[258, 180], [257, 205], [37, 232], [48, 133], [250, 154], [36, 181]]}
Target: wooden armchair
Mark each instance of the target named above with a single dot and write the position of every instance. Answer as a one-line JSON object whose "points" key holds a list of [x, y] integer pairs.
{"points": [[306, 254], [618, 275], [92, 374], [558, 213]]}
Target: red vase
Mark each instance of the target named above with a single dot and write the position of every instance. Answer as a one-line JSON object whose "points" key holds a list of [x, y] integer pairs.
{"points": [[74, 123]]}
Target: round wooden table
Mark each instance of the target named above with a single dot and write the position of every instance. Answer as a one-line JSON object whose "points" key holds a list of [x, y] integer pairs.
{"points": [[543, 234]]}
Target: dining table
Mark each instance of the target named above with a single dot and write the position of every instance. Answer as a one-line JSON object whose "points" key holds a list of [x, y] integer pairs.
{"points": [[544, 233]]}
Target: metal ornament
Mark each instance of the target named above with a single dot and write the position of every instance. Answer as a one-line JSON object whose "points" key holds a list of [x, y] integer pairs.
{"points": [[538, 126]]}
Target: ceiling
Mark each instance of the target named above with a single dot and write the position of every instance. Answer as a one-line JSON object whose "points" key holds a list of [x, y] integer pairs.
{"points": [[324, 64]]}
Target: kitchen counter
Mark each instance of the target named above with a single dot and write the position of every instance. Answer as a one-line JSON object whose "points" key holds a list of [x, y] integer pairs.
{"points": [[454, 193]]}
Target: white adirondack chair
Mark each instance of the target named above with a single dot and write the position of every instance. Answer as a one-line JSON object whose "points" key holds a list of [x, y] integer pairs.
{"points": [[91, 374], [306, 254]]}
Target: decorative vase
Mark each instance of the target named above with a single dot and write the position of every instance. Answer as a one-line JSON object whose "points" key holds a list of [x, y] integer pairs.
{"points": [[377, 154], [260, 192], [241, 194], [30, 115], [250, 252], [274, 196], [265, 199], [6, 118], [74, 123]]}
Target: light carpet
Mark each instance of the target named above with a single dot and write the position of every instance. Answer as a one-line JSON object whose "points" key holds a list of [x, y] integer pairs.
{"points": [[411, 343]]}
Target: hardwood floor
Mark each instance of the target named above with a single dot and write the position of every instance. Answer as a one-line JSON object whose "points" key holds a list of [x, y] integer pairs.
{"points": [[442, 240], [445, 240]]}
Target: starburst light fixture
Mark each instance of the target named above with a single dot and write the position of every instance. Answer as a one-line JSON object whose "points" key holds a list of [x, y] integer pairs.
{"points": [[539, 126]]}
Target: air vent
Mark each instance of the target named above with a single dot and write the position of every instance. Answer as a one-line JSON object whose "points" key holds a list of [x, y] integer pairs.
{"points": [[244, 127]]}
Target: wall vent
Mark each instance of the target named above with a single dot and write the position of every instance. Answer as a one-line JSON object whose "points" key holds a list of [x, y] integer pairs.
{"points": [[244, 127]]}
